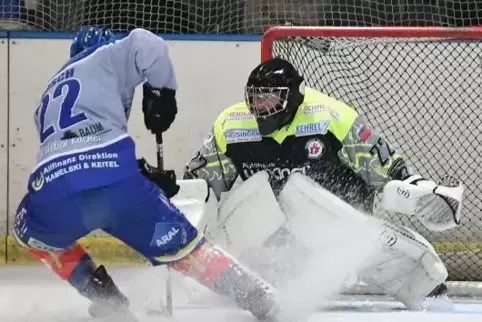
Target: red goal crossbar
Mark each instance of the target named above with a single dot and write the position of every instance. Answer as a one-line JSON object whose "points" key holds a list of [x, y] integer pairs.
{"points": [[279, 32]]}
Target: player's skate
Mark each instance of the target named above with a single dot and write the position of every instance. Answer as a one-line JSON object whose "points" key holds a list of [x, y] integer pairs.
{"points": [[249, 292], [108, 303]]}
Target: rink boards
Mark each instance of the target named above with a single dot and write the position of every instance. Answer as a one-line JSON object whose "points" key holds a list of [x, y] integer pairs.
{"points": [[190, 200]]}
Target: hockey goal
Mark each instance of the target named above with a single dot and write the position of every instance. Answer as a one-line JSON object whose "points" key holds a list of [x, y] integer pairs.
{"points": [[420, 87]]}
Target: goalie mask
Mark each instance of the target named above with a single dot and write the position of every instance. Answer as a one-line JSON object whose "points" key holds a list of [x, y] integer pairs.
{"points": [[273, 93], [90, 37]]}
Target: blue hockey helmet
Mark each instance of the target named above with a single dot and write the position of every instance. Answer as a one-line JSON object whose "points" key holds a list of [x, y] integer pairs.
{"points": [[89, 37]]}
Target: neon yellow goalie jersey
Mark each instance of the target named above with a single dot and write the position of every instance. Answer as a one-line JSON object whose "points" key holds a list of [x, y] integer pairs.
{"points": [[327, 140]]}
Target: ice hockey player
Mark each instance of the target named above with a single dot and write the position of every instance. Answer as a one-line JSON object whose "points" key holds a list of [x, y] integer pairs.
{"points": [[283, 127], [87, 176]]}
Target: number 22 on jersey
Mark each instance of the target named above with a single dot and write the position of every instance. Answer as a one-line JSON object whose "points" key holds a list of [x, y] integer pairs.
{"points": [[63, 99]]}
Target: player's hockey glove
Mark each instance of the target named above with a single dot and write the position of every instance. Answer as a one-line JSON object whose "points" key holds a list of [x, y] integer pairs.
{"points": [[159, 107], [165, 179]]}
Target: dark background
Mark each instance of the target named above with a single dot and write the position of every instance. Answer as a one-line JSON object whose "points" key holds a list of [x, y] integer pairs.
{"points": [[232, 16]]}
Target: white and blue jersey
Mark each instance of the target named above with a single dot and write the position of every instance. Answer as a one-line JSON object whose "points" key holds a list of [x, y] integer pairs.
{"points": [[82, 117], [87, 177]]}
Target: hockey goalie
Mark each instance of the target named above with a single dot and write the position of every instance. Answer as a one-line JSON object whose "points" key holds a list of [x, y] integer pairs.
{"points": [[298, 152]]}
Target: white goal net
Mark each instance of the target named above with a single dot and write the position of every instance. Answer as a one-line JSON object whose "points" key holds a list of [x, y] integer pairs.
{"points": [[421, 88]]}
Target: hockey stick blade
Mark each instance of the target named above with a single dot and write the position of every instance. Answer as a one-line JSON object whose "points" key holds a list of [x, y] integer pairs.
{"points": [[158, 312]]}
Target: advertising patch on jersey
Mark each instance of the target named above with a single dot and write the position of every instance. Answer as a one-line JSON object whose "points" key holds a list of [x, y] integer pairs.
{"points": [[362, 131], [365, 134], [313, 109], [81, 169], [37, 244], [276, 172], [242, 135], [38, 182], [166, 234], [20, 224], [237, 116], [314, 149], [320, 127]]}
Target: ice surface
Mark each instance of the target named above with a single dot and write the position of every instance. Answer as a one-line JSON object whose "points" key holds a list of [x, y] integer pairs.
{"points": [[30, 294]]}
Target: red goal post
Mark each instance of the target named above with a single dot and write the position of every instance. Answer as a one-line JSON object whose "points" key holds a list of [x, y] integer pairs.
{"points": [[422, 88]]}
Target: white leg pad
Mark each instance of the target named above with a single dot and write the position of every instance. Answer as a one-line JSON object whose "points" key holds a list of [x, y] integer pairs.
{"points": [[340, 237], [408, 269], [314, 213], [405, 265], [248, 216], [334, 230]]}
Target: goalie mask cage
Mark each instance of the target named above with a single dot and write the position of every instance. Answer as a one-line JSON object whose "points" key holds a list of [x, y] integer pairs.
{"points": [[420, 87]]}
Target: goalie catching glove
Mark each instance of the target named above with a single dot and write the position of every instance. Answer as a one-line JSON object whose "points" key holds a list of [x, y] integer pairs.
{"points": [[159, 107], [437, 206]]}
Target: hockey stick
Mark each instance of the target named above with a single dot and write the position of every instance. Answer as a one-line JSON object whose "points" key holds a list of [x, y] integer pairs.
{"points": [[167, 307], [160, 151]]}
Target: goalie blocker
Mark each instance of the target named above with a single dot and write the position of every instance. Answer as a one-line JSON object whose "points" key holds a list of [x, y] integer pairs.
{"points": [[294, 224]]}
